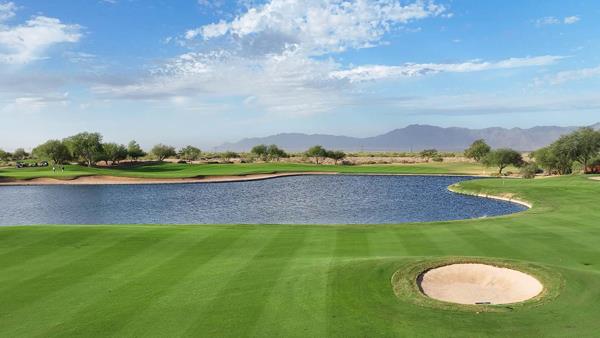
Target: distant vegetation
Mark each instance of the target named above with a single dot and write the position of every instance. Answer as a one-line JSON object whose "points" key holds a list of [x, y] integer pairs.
{"points": [[581, 147], [578, 151]]}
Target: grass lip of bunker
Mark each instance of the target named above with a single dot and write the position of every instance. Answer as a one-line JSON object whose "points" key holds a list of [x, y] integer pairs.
{"points": [[478, 284]]}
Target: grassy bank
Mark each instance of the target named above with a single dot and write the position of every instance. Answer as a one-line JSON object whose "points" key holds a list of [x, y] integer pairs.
{"points": [[303, 281], [173, 170]]}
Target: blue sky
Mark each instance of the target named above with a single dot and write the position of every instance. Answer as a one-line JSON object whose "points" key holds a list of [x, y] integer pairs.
{"points": [[205, 72]]}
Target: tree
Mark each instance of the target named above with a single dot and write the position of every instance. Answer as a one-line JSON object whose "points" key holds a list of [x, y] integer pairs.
{"points": [[228, 155], [4, 156], [87, 146], [478, 150], [261, 151], [316, 152], [19, 154], [502, 158], [274, 152], [190, 153], [428, 154], [585, 144], [336, 155], [134, 151], [114, 152], [161, 151], [54, 150]]}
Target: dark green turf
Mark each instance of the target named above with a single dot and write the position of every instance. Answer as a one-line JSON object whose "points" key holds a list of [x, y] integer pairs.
{"points": [[303, 281]]}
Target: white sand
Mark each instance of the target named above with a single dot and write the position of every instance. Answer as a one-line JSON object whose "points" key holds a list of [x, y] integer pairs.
{"points": [[473, 283]]}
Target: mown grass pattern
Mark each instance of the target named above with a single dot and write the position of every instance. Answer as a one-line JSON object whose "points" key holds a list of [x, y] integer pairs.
{"points": [[299, 281]]}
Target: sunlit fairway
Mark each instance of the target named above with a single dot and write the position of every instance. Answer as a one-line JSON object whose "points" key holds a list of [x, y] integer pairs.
{"points": [[173, 170], [303, 281]]}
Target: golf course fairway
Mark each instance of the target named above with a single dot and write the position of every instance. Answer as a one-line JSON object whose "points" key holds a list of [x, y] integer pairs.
{"points": [[304, 281]]}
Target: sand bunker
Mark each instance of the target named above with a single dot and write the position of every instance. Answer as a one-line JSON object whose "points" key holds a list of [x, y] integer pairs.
{"points": [[478, 284]]}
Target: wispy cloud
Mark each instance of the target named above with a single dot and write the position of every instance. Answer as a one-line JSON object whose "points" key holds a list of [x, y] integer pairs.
{"points": [[378, 72], [486, 104], [270, 57], [319, 26], [569, 20], [7, 10], [551, 20], [21, 44], [280, 57], [569, 75]]}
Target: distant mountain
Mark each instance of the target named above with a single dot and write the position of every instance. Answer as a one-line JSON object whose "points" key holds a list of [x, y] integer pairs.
{"points": [[414, 137]]}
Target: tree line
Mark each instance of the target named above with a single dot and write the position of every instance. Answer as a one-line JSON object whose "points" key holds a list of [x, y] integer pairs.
{"points": [[89, 149], [581, 147]]}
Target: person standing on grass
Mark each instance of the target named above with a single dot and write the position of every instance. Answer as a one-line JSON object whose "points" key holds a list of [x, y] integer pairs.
{"points": [[62, 168], [53, 169]]}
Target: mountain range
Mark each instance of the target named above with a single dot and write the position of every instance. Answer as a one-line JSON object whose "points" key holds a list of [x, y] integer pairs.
{"points": [[414, 138]]}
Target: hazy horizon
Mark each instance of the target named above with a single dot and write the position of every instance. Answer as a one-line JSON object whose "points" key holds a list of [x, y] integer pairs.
{"points": [[208, 72]]}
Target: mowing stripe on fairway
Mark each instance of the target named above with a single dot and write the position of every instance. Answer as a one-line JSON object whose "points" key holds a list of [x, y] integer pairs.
{"points": [[56, 309], [128, 299], [301, 292], [270, 262]]}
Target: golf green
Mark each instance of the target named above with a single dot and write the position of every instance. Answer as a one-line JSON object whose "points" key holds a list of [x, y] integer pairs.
{"points": [[303, 281]]}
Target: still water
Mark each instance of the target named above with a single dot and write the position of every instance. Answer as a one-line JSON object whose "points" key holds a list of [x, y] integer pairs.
{"points": [[316, 199]]}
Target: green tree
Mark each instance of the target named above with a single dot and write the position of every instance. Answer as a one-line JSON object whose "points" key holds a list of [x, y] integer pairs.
{"points": [[114, 152], [261, 151], [161, 151], [428, 154], [336, 155], [228, 155], [585, 145], [502, 158], [529, 170], [478, 150], [275, 153], [53, 150], [4, 155], [317, 152], [19, 154], [190, 153], [554, 159], [87, 146], [134, 151]]}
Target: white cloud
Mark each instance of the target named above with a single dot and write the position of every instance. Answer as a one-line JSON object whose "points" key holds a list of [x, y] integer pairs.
{"points": [[569, 75], [319, 26], [30, 104], [377, 72], [278, 57], [7, 10], [286, 83], [27, 42], [266, 57], [571, 19], [551, 20]]}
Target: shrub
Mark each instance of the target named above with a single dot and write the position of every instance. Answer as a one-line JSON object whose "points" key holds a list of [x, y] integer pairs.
{"points": [[529, 170]]}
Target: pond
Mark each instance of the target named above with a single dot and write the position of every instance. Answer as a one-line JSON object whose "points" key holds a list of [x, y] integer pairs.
{"points": [[314, 199]]}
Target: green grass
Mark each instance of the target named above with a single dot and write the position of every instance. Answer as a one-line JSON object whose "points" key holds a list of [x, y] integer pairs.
{"points": [[173, 170], [302, 281]]}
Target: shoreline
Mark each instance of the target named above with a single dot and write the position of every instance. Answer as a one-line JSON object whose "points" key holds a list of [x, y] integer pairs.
{"points": [[529, 205], [121, 180]]}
